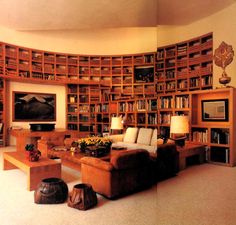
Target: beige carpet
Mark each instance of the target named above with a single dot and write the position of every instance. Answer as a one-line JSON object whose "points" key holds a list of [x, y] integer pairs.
{"points": [[17, 205], [200, 195]]}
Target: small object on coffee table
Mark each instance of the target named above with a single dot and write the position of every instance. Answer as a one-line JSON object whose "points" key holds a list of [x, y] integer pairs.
{"points": [[119, 148], [96, 151]]}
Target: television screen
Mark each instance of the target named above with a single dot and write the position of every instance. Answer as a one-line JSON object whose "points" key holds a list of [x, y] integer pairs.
{"points": [[144, 74], [30, 106]]}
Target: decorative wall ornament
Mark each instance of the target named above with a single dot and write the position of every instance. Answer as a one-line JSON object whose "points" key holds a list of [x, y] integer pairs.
{"points": [[223, 57]]}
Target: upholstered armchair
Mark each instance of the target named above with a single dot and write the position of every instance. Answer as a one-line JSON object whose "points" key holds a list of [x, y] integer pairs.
{"points": [[46, 145], [126, 172]]}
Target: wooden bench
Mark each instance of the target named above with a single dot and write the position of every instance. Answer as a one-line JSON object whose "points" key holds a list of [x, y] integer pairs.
{"points": [[35, 171]]}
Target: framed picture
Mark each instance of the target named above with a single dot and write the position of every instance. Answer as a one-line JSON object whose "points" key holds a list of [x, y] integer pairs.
{"points": [[215, 110], [31, 106]]}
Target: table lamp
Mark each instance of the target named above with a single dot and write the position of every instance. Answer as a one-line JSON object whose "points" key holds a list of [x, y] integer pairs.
{"points": [[116, 123], [179, 127]]}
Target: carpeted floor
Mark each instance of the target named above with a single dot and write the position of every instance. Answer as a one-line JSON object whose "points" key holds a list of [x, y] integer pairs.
{"points": [[17, 205], [200, 195]]}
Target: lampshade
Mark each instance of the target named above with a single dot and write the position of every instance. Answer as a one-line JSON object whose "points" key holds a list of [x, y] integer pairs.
{"points": [[116, 123], [179, 125]]}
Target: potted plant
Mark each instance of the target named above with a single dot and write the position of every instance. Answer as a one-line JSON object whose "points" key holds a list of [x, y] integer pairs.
{"points": [[31, 153], [94, 141]]}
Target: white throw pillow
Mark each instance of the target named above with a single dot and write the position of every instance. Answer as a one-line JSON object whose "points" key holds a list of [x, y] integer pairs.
{"points": [[131, 135], [144, 136], [154, 138]]}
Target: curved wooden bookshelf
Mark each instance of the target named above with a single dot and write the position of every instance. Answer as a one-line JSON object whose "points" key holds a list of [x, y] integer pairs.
{"points": [[99, 86]]}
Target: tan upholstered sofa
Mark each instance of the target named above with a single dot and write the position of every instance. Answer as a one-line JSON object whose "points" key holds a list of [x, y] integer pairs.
{"points": [[125, 172], [137, 138]]}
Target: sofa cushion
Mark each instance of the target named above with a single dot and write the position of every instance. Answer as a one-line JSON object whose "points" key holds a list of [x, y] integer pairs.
{"points": [[149, 148], [144, 136], [160, 141], [131, 135], [130, 159], [154, 138]]}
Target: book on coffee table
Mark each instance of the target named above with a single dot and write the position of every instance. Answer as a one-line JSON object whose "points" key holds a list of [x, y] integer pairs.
{"points": [[119, 148]]}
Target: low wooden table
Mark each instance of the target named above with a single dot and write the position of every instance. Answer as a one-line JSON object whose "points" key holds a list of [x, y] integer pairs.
{"points": [[190, 150], [72, 159], [36, 171]]}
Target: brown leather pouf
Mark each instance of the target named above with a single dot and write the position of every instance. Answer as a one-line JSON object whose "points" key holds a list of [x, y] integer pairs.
{"points": [[82, 197], [51, 191]]}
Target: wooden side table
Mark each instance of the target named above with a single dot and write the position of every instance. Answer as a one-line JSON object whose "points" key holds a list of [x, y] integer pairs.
{"points": [[190, 150]]}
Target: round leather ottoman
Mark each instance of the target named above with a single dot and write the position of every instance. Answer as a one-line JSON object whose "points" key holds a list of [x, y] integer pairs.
{"points": [[51, 191]]}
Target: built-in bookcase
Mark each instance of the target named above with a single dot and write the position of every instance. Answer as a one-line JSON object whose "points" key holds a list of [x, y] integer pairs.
{"points": [[217, 135], [146, 89], [185, 66]]}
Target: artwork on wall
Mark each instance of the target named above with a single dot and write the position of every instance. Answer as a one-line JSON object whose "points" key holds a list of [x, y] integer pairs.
{"points": [[144, 74], [215, 110], [30, 106]]}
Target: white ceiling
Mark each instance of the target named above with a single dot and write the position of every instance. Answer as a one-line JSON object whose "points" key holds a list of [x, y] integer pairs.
{"points": [[91, 14]]}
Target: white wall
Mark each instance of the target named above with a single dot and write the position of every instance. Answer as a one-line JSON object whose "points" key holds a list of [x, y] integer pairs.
{"points": [[100, 41], [223, 26], [60, 92]]}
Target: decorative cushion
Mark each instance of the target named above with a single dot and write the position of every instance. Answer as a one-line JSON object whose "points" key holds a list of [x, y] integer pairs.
{"points": [[131, 135], [154, 138], [170, 141], [160, 141], [144, 136]]}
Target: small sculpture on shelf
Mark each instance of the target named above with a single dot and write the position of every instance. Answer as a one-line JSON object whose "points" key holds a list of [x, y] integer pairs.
{"points": [[223, 57], [32, 154]]}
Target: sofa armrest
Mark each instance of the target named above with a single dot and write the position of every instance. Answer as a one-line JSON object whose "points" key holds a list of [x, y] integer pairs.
{"points": [[116, 137], [97, 163]]}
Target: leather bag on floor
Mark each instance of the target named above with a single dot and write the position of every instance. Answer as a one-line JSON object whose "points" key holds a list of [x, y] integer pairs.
{"points": [[82, 197]]}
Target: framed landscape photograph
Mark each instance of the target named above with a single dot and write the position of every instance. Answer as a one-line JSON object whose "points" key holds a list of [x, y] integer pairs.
{"points": [[31, 106], [215, 110]]}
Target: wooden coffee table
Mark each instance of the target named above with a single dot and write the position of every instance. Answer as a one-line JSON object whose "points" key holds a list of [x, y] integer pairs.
{"points": [[36, 171]]}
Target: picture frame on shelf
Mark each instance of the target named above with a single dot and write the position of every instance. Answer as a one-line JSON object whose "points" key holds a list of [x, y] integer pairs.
{"points": [[215, 110]]}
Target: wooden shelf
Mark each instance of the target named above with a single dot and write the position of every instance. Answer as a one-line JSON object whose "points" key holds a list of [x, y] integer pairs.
{"points": [[183, 61]]}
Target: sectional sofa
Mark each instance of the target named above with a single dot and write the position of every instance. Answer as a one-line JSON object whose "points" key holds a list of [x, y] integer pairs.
{"points": [[137, 138]]}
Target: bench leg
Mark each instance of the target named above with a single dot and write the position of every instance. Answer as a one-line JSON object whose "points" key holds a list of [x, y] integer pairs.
{"points": [[7, 165]]}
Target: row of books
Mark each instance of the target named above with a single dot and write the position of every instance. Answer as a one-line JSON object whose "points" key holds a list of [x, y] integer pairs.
{"points": [[200, 136], [220, 136], [181, 102]]}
